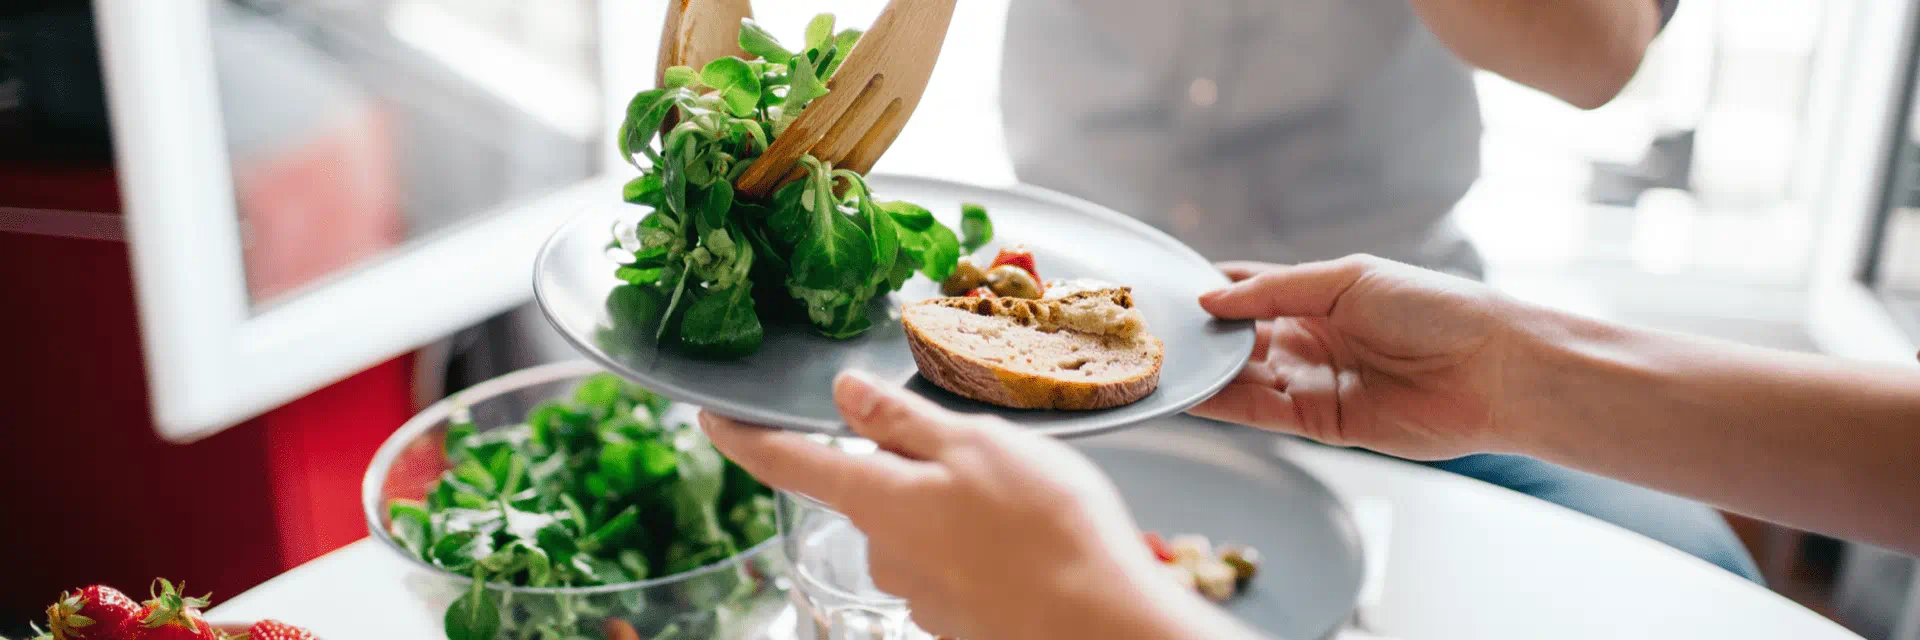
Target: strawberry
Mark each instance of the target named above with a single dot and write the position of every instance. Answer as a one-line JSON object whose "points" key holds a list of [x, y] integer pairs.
{"points": [[169, 616], [981, 292], [1017, 256], [95, 612], [276, 630]]}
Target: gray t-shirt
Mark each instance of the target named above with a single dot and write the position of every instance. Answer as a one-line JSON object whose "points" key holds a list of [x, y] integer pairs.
{"points": [[1276, 130]]}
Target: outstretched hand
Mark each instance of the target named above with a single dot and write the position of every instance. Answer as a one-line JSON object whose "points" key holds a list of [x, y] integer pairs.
{"points": [[1366, 352]]}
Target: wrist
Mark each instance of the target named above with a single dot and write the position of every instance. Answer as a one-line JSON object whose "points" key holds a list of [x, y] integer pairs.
{"points": [[1564, 372]]}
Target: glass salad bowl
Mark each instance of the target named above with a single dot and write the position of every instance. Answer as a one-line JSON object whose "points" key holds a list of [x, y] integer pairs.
{"points": [[724, 597]]}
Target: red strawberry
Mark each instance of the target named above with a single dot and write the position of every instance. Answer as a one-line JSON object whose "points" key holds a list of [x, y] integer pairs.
{"points": [[1017, 256], [276, 630], [981, 292], [169, 616], [95, 612]]}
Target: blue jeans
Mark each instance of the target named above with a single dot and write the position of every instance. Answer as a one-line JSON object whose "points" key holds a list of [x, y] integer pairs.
{"points": [[1683, 524]]}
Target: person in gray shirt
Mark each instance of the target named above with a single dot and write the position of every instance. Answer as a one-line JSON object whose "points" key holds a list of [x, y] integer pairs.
{"points": [[1286, 131]]}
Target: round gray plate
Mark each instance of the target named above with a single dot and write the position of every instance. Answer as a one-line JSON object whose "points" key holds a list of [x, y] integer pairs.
{"points": [[786, 384], [1186, 475]]}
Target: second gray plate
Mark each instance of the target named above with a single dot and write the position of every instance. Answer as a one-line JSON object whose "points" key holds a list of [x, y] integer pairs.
{"points": [[786, 384], [1187, 475]]}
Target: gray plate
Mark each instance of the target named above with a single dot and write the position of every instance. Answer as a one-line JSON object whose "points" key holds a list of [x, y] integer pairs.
{"points": [[1186, 475], [786, 383]]}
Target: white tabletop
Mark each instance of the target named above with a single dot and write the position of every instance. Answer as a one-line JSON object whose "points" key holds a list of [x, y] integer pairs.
{"points": [[1463, 559], [1470, 560]]}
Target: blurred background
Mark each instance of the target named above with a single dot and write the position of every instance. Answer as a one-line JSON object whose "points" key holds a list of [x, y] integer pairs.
{"points": [[355, 131]]}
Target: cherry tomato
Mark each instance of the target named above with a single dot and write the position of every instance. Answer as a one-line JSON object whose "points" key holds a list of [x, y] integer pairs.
{"points": [[1159, 547], [1017, 256]]}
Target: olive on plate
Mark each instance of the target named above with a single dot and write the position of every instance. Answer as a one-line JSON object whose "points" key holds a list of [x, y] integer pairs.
{"points": [[1011, 281]]}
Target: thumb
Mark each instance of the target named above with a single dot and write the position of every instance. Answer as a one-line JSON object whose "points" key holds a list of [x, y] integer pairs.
{"points": [[893, 418], [1307, 290]]}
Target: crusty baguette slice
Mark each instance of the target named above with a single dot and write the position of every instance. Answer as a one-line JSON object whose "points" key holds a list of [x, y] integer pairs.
{"points": [[1084, 351]]}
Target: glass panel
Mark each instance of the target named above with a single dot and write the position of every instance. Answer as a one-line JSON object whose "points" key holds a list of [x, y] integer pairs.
{"points": [[1897, 274], [1895, 247], [355, 127], [1699, 169], [1899, 267]]}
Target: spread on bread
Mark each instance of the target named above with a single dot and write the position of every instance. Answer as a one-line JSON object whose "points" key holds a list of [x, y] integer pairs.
{"points": [[1004, 338]]}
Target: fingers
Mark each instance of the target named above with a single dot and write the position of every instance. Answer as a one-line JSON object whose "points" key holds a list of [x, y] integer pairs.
{"points": [[892, 572], [1256, 373], [1253, 403], [898, 421], [900, 571], [1262, 340], [792, 462], [1241, 269], [1307, 290]]}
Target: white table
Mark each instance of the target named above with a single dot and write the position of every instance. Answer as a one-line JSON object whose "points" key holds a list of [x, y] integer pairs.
{"points": [[1469, 560], [1464, 560]]}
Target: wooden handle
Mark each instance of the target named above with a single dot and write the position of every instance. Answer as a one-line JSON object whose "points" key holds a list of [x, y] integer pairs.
{"points": [[868, 100], [697, 32]]}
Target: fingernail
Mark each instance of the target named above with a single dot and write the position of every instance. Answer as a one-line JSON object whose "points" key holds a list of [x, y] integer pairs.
{"points": [[857, 392], [1213, 295], [706, 421]]}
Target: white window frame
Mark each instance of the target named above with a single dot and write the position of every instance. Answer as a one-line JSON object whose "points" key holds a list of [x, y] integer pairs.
{"points": [[213, 360], [1868, 47]]}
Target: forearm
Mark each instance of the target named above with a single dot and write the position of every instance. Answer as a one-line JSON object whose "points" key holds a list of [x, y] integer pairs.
{"points": [[1581, 51], [1818, 443]]}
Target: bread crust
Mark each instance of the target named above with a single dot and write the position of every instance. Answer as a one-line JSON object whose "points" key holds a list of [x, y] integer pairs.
{"points": [[994, 384]]}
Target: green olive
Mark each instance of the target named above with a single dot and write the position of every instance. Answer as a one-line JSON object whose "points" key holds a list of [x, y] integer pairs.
{"points": [[966, 277], [1009, 281], [1244, 560]]}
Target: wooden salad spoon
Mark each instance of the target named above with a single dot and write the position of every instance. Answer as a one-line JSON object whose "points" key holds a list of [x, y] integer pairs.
{"points": [[868, 100]]}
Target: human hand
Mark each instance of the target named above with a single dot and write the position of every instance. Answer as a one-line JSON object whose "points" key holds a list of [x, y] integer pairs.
{"points": [[986, 529], [1367, 352]]}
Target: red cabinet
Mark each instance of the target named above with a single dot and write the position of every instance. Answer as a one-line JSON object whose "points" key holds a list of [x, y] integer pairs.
{"points": [[92, 495]]}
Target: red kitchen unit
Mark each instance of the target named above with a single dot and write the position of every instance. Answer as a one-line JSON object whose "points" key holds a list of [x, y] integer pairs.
{"points": [[93, 495]]}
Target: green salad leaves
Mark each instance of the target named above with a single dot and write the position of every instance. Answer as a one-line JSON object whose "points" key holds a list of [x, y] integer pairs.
{"points": [[716, 264], [597, 489]]}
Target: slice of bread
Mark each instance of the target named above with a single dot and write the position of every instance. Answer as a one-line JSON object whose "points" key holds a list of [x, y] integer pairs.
{"points": [[1083, 351]]}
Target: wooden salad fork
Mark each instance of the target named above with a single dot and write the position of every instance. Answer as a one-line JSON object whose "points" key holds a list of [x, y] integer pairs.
{"points": [[868, 100]]}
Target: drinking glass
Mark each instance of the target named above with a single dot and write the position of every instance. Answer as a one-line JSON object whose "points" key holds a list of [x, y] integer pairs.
{"points": [[833, 591]]}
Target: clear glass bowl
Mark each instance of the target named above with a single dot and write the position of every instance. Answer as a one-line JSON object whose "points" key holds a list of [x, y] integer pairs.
{"points": [[734, 598]]}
